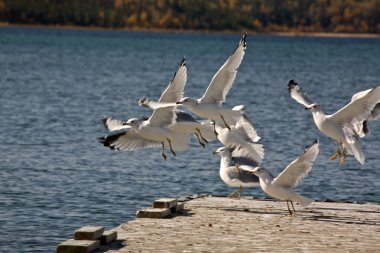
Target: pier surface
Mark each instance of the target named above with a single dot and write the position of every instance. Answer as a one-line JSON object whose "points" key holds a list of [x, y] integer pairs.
{"points": [[218, 224]]}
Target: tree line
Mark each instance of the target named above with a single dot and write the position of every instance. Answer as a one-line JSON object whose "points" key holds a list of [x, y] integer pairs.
{"points": [[352, 16]]}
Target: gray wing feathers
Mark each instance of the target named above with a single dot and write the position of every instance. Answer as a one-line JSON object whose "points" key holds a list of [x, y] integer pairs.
{"points": [[127, 140], [299, 168], [223, 80], [358, 110], [173, 93], [297, 94]]}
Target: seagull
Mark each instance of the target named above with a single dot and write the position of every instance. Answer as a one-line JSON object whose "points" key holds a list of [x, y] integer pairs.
{"points": [[186, 123], [242, 134], [153, 131], [209, 106], [348, 124], [280, 187], [231, 171]]}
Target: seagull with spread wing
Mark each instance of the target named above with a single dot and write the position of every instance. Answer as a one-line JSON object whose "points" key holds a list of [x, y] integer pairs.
{"points": [[242, 134], [231, 169], [280, 187], [209, 106], [347, 125], [154, 131]]}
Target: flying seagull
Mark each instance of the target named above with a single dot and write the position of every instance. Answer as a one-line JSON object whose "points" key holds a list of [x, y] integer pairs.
{"points": [[186, 123], [209, 106], [280, 187], [242, 134], [231, 169], [348, 124], [153, 131]]}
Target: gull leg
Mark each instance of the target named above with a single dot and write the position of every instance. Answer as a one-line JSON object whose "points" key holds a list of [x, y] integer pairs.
{"points": [[236, 194], [238, 169], [163, 151], [200, 134], [344, 156], [294, 210], [337, 152], [224, 122], [215, 132], [200, 143], [170, 146], [287, 204]]}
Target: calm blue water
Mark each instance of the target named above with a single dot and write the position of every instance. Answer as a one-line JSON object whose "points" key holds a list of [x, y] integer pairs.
{"points": [[56, 84]]}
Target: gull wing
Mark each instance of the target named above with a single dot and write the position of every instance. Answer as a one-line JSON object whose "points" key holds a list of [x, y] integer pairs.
{"points": [[375, 112], [223, 80], [240, 157], [299, 168], [245, 127], [298, 95], [127, 140], [358, 110], [172, 93], [113, 124]]}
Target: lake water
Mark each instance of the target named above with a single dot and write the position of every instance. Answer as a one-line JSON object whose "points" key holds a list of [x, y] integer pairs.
{"points": [[55, 85]]}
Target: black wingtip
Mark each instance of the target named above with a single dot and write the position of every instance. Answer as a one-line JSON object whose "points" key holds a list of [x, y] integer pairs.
{"points": [[244, 40], [292, 83], [183, 61], [316, 141]]}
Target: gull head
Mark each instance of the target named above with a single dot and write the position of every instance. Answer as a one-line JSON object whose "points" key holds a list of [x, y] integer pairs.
{"points": [[187, 102], [258, 171], [134, 123], [313, 107], [222, 151]]}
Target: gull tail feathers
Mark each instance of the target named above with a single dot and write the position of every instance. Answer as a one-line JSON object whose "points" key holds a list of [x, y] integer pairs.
{"points": [[352, 143], [303, 201], [355, 149], [180, 141]]}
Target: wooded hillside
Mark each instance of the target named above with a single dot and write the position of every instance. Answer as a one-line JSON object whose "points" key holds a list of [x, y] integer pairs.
{"points": [[359, 16]]}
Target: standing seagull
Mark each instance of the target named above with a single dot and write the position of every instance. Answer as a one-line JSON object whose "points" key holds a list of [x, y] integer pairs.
{"points": [[154, 131], [242, 134], [231, 169], [342, 126], [210, 104], [280, 187]]}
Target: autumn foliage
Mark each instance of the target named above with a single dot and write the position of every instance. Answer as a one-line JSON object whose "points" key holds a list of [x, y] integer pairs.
{"points": [[359, 16]]}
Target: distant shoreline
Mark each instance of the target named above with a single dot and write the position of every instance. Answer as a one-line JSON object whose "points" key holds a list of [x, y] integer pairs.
{"points": [[285, 34]]}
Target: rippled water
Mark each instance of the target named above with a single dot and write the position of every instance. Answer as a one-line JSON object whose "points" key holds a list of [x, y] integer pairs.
{"points": [[56, 84]]}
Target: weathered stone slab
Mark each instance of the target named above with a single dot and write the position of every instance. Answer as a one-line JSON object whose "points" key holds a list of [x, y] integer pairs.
{"points": [[153, 213], [77, 246], [108, 237], [224, 225], [179, 207], [165, 203], [88, 233]]}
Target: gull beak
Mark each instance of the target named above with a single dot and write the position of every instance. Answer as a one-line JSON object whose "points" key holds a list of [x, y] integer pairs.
{"points": [[214, 153], [179, 103], [307, 108], [125, 124]]}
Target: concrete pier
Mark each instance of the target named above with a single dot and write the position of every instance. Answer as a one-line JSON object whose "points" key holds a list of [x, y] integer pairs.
{"points": [[219, 224]]}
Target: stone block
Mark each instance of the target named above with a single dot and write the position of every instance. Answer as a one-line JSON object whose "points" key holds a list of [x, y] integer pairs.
{"points": [[88, 233], [77, 246], [153, 213], [165, 203], [179, 207], [108, 237]]}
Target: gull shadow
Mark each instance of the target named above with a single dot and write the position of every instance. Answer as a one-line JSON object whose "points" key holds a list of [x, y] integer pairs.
{"points": [[343, 219], [116, 245]]}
